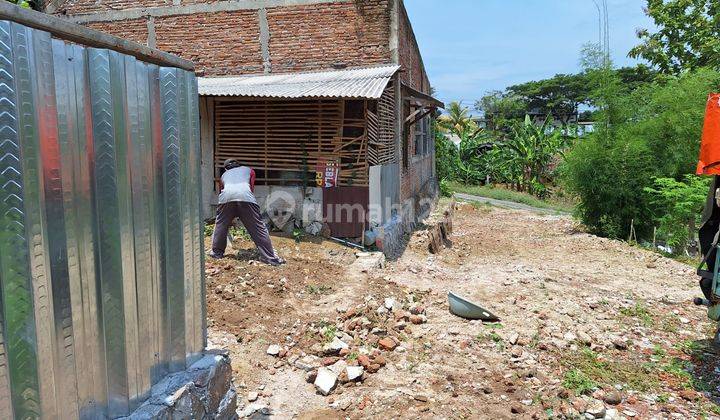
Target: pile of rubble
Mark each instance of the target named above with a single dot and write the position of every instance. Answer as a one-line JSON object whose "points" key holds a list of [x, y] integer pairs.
{"points": [[356, 345]]}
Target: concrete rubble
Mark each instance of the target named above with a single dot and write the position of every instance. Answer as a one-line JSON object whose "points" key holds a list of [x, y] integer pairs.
{"points": [[325, 381]]}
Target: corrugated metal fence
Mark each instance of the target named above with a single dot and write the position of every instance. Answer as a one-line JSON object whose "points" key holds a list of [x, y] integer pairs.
{"points": [[100, 235]]}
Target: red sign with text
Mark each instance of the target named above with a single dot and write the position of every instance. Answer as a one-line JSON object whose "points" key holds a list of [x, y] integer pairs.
{"points": [[327, 173]]}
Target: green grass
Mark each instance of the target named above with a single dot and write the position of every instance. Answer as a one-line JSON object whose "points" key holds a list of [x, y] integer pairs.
{"points": [[239, 232], [329, 333], [509, 195], [640, 312], [492, 336], [587, 370], [318, 289], [690, 347], [681, 370], [235, 231], [579, 382]]}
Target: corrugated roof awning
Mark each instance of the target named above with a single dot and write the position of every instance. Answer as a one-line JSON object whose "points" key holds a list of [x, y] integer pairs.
{"points": [[364, 83]]}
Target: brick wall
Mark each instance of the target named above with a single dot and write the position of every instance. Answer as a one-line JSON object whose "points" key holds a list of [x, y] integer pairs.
{"points": [[77, 7], [134, 30], [306, 37], [223, 43], [319, 36], [414, 180]]}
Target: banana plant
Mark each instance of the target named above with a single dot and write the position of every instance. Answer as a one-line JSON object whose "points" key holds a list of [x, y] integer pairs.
{"points": [[531, 149]]}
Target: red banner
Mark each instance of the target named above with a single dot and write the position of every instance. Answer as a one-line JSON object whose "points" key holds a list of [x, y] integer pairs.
{"points": [[327, 174]]}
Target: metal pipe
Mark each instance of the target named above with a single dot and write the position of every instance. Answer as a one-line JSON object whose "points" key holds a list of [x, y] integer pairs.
{"points": [[348, 243]]}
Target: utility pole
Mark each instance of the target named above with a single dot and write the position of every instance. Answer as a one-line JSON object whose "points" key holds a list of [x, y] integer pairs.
{"points": [[603, 29]]}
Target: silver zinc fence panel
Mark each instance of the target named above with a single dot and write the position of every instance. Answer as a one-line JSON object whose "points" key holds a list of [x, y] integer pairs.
{"points": [[101, 279]]}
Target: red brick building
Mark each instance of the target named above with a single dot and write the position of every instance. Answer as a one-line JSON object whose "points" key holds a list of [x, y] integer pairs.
{"points": [[298, 88]]}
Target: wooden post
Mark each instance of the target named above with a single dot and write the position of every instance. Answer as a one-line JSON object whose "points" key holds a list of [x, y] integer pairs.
{"points": [[654, 236]]}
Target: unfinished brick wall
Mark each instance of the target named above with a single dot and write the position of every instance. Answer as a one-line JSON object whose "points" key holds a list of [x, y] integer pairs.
{"points": [[77, 7], [323, 35], [301, 38], [223, 43], [134, 30]]}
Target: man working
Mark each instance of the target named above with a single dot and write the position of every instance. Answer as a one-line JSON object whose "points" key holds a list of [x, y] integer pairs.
{"points": [[236, 199]]}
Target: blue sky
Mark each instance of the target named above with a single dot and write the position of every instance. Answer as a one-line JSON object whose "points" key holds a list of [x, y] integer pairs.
{"points": [[470, 47]]}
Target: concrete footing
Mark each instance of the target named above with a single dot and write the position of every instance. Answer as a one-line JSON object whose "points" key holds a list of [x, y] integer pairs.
{"points": [[203, 391]]}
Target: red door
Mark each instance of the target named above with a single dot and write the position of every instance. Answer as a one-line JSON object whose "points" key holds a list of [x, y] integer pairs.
{"points": [[345, 210]]}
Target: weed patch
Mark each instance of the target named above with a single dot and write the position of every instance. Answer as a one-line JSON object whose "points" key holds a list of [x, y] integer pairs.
{"points": [[579, 382], [239, 232], [639, 312], [588, 368], [318, 289]]}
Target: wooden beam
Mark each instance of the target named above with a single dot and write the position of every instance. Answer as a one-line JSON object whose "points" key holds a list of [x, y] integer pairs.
{"points": [[414, 121], [423, 99], [411, 117]]}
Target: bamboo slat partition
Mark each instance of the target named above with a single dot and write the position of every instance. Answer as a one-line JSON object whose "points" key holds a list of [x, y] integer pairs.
{"points": [[285, 140], [382, 148]]}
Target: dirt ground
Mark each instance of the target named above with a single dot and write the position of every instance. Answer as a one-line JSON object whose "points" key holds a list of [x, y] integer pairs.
{"points": [[588, 327]]}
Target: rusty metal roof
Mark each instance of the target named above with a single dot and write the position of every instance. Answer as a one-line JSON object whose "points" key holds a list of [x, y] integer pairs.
{"points": [[366, 83]]}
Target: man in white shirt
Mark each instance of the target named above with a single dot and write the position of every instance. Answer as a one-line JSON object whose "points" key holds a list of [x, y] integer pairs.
{"points": [[236, 199]]}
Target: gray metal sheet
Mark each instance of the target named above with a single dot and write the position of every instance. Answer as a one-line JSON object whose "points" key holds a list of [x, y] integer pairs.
{"points": [[366, 83], [33, 189], [174, 246], [101, 280], [19, 335]]}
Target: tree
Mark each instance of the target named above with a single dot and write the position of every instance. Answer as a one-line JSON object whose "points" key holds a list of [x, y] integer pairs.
{"points": [[688, 35], [469, 165], [651, 132], [500, 108], [463, 162], [680, 204], [559, 96], [635, 77], [445, 155], [457, 120]]}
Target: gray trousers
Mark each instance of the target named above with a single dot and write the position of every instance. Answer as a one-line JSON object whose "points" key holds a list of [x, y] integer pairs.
{"points": [[249, 215]]}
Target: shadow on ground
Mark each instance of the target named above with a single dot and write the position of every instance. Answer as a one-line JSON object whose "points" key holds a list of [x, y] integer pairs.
{"points": [[703, 368]]}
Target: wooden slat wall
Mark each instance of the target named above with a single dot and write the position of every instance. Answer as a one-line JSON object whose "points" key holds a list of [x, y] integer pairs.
{"points": [[382, 148], [283, 140]]}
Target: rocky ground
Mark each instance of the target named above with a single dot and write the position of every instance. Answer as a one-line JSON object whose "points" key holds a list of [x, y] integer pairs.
{"points": [[588, 327]]}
